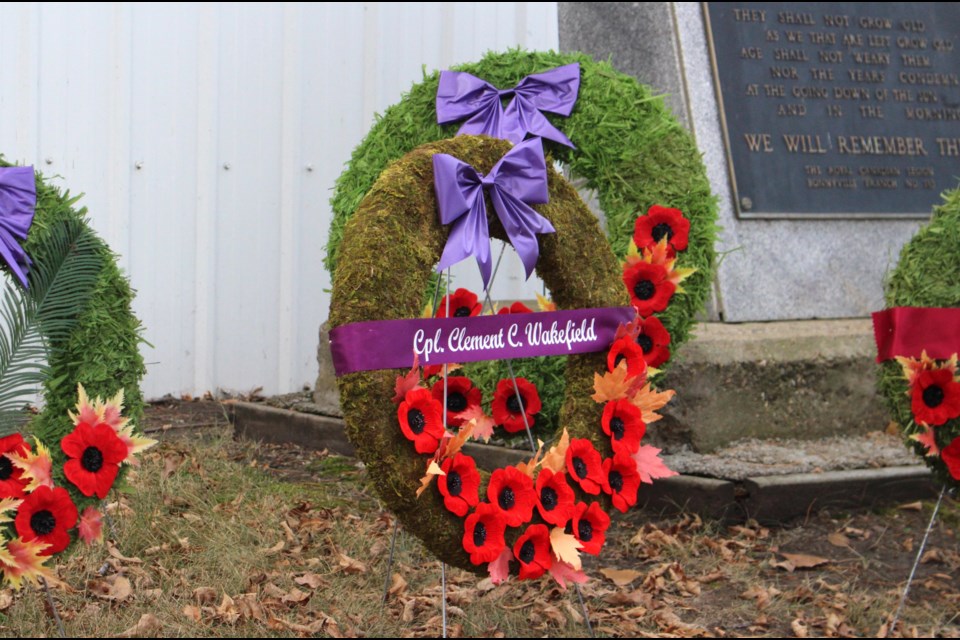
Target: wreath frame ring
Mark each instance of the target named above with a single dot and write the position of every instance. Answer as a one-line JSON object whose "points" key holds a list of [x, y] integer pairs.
{"points": [[375, 280]]}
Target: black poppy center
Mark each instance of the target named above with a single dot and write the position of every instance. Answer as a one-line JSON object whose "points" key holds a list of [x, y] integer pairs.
{"points": [[580, 468], [454, 483], [617, 427], [585, 529], [527, 552], [456, 402], [513, 404], [646, 344], [933, 396], [548, 499], [43, 522], [6, 468], [616, 481], [92, 459], [644, 289], [660, 231], [415, 419], [506, 499], [479, 534], [462, 312]]}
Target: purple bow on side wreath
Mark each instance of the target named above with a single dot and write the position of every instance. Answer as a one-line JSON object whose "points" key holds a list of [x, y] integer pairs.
{"points": [[518, 180], [18, 200], [462, 95]]}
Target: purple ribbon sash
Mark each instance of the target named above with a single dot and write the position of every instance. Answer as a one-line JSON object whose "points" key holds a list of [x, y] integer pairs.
{"points": [[462, 95], [518, 180], [18, 200], [391, 344]]}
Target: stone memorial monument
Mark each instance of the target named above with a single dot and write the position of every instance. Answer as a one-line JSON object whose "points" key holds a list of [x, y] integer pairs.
{"points": [[828, 131]]}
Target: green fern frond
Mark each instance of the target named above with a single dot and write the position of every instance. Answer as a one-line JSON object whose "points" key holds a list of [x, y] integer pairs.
{"points": [[66, 264]]}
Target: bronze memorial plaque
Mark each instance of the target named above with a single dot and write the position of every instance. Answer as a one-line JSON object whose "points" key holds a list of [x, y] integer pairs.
{"points": [[838, 109]]}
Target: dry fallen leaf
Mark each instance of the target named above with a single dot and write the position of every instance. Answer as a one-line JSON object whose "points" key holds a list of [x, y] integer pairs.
{"points": [[397, 585], [621, 577], [227, 611], [275, 549], [205, 595], [295, 596], [192, 612], [799, 561], [148, 624], [911, 506], [113, 551], [349, 565], [115, 587], [799, 628], [311, 580], [838, 539]]}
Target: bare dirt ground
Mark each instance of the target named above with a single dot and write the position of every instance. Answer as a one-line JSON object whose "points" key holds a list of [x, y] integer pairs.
{"points": [[829, 574]]}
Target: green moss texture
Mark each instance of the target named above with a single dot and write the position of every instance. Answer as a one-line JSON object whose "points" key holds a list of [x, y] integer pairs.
{"points": [[389, 249], [927, 275]]}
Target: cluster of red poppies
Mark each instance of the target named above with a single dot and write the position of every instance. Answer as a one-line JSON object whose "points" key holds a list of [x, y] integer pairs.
{"points": [[100, 442], [650, 277], [543, 500], [934, 388]]}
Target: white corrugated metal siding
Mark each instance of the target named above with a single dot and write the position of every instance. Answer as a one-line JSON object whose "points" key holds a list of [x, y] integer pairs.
{"points": [[207, 138]]}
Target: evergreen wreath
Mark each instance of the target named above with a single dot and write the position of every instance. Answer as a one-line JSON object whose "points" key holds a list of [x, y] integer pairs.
{"points": [[72, 324], [923, 395]]}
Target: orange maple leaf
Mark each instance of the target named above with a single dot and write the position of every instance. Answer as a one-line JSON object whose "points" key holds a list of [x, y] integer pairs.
{"points": [[927, 439], [407, 382], [649, 401], [556, 458], [36, 466], [482, 423], [21, 561], [545, 304], [565, 547], [613, 385], [433, 470], [528, 467], [455, 443]]}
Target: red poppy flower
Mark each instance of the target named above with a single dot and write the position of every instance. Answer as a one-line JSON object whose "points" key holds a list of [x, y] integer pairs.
{"points": [[11, 478], [589, 526], [463, 303], [46, 515], [95, 454], [512, 491], [461, 396], [584, 465], [626, 349], [554, 497], [421, 419], [532, 549], [951, 457], [662, 222], [460, 488], [516, 307], [483, 534], [623, 422], [508, 411], [935, 397], [653, 340], [649, 287], [621, 481]]}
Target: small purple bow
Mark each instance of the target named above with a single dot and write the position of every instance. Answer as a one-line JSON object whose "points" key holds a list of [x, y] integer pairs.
{"points": [[518, 180], [18, 200], [462, 95]]}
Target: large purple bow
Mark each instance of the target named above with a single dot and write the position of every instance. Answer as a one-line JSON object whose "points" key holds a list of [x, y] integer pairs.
{"points": [[518, 180], [462, 95], [18, 199]]}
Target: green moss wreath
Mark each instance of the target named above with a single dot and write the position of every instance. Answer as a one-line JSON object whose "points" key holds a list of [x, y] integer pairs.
{"points": [[927, 275], [76, 316], [389, 249], [630, 149]]}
